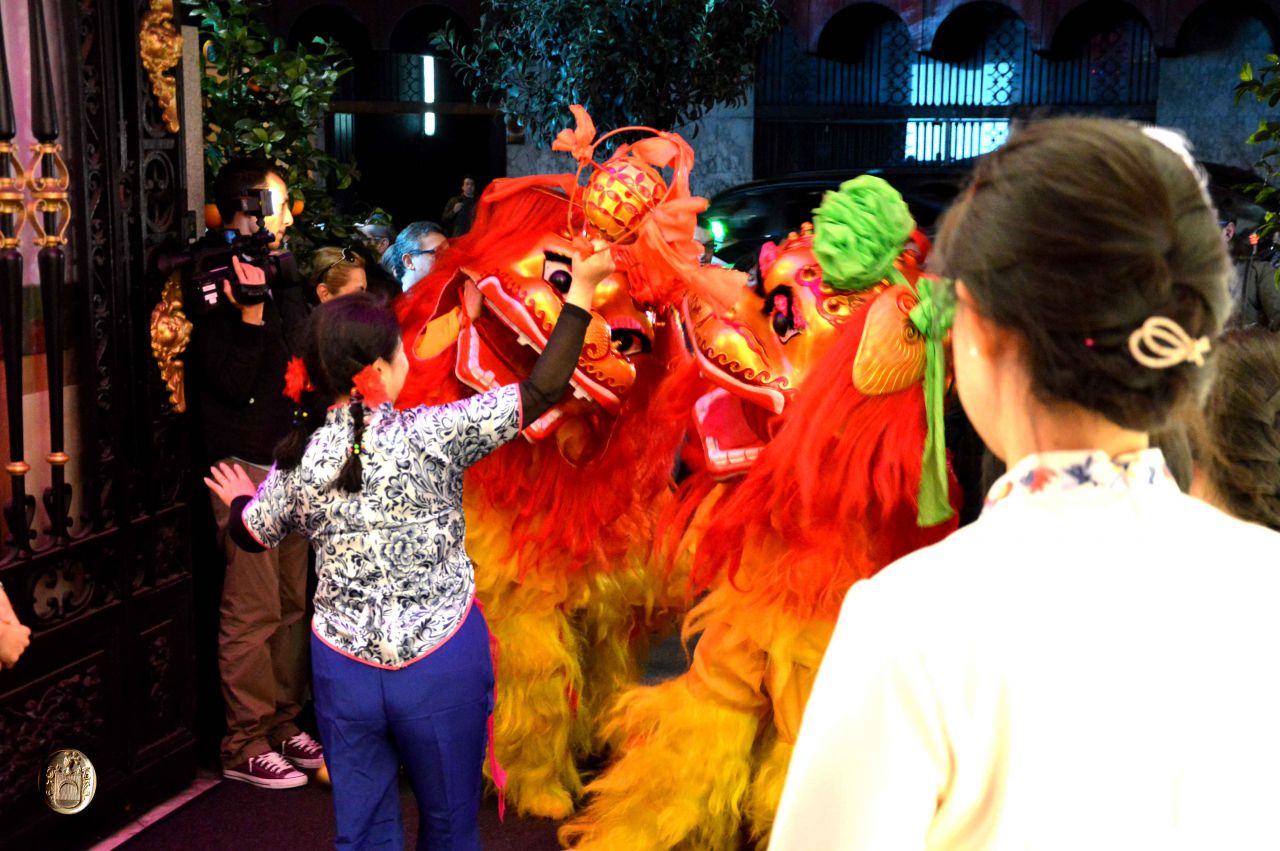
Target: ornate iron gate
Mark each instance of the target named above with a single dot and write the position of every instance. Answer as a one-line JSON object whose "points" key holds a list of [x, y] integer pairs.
{"points": [[109, 595]]}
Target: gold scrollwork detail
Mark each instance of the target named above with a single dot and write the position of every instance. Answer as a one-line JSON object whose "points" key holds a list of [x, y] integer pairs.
{"points": [[161, 50], [48, 184], [170, 334], [12, 196], [49, 195]]}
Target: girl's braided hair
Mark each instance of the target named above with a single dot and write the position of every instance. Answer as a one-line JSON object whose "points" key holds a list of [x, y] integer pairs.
{"points": [[343, 337]]}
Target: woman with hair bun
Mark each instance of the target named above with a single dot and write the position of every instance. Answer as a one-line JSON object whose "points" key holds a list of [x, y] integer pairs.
{"points": [[1238, 457], [1091, 663]]}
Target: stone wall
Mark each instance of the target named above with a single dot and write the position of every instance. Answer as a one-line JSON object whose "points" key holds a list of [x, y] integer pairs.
{"points": [[1196, 90], [722, 145]]}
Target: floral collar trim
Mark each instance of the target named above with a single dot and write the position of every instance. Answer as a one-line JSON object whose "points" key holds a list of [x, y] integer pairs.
{"points": [[1058, 472]]}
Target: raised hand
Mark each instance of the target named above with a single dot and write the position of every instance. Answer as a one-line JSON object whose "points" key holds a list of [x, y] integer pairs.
{"points": [[228, 481], [588, 271]]}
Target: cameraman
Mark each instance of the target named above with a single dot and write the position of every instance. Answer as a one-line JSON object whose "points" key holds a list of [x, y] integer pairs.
{"points": [[241, 352]]}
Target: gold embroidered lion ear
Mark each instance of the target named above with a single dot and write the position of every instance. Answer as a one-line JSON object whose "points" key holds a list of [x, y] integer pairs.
{"points": [[891, 356]]}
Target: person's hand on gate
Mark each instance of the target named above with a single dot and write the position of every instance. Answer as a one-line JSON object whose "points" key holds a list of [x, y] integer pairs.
{"points": [[228, 481], [14, 637]]}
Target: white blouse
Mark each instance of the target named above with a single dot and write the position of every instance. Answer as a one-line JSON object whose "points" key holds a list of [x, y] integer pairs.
{"points": [[1094, 663], [394, 579]]}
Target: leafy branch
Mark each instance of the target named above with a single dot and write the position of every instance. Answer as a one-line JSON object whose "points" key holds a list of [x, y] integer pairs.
{"points": [[660, 63], [1264, 86], [263, 100]]}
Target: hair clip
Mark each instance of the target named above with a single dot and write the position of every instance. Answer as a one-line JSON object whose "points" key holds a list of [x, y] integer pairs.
{"points": [[1161, 343], [353, 449]]}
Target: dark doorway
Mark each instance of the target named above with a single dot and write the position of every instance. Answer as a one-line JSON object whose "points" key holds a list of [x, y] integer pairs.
{"points": [[411, 161]]}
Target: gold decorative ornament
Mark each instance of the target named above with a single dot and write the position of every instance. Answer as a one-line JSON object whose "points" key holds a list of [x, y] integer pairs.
{"points": [[70, 781], [621, 193], [170, 334], [17, 468], [12, 196], [161, 50], [49, 195], [58, 458]]}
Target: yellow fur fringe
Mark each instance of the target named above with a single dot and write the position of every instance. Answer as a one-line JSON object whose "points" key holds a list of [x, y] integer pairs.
{"points": [[766, 788], [681, 781]]}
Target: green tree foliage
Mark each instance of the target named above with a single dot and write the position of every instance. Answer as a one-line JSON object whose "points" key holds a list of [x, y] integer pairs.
{"points": [[659, 63], [1265, 87], [263, 100]]}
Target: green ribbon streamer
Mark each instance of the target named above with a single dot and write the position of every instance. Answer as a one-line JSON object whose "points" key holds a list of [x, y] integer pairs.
{"points": [[932, 317]]}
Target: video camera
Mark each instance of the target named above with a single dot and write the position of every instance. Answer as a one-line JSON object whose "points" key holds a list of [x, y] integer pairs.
{"points": [[206, 262]]}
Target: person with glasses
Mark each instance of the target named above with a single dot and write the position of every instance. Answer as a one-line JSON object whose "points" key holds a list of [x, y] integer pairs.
{"points": [[339, 272], [413, 253]]}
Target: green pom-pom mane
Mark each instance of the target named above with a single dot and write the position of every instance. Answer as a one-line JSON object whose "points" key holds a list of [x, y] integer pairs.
{"points": [[859, 231]]}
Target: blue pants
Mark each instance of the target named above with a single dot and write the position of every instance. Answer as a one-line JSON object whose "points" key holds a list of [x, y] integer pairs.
{"points": [[431, 716]]}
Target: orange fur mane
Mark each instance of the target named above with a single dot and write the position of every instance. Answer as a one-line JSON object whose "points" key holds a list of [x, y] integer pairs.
{"points": [[592, 513], [831, 500]]}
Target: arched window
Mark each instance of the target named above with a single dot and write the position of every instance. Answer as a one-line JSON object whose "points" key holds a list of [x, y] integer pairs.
{"points": [[867, 99]]}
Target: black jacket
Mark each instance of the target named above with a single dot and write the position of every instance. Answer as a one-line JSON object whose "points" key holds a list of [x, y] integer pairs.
{"points": [[238, 373], [461, 220]]}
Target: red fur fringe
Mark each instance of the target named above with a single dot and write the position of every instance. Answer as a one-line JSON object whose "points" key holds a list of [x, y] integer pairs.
{"points": [[595, 512], [831, 500]]}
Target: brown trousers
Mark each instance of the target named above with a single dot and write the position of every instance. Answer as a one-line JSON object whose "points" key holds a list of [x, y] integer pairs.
{"points": [[262, 640]]}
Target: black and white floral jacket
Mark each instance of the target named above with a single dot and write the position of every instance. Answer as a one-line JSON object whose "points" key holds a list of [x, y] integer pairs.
{"points": [[395, 581]]}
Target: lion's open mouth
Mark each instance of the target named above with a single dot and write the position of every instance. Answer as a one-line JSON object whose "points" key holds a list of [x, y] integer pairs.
{"points": [[502, 345], [732, 431]]}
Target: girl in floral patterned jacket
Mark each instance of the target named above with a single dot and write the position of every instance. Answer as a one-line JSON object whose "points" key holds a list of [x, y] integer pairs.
{"points": [[400, 655]]}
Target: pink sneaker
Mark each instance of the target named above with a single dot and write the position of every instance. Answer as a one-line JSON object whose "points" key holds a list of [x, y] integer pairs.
{"points": [[303, 751], [268, 770]]}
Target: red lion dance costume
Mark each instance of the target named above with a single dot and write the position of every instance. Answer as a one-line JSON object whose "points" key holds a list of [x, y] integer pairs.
{"points": [[559, 525], [820, 413]]}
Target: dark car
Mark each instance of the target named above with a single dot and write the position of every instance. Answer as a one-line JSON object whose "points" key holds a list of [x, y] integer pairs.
{"points": [[745, 217]]}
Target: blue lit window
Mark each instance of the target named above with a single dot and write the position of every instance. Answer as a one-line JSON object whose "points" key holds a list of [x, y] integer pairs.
{"points": [[429, 94], [950, 139]]}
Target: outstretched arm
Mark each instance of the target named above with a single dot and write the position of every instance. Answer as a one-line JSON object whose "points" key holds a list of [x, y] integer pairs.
{"points": [[261, 516], [551, 374], [470, 429]]}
